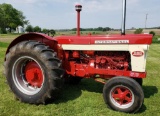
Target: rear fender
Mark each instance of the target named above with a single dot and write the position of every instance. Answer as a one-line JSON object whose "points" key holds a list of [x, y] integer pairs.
{"points": [[47, 40]]}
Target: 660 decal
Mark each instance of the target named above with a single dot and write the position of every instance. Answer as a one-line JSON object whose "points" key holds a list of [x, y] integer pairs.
{"points": [[137, 53]]}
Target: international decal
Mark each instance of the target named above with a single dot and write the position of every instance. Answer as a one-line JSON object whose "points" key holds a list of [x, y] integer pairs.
{"points": [[111, 41]]}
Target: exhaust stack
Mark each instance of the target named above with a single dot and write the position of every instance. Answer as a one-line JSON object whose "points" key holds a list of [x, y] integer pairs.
{"points": [[78, 9], [123, 18]]}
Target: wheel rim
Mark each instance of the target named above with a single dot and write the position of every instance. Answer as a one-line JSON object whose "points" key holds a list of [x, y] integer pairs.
{"points": [[28, 75], [122, 97], [33, 74]]}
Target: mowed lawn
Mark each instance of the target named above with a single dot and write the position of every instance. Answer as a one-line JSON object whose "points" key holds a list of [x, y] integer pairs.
{"points": [[84, 99]]}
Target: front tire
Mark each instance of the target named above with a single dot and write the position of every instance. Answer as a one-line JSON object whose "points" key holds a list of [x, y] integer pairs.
{"points": [[33, 72], [123, 94]]}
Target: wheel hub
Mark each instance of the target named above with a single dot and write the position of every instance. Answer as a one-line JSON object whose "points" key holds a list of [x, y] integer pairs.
{"points": [[33, 74], [122, 95]]}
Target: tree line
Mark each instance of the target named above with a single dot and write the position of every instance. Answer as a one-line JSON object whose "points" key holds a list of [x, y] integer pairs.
{"points": [[30, 28], [10, 18], [94, 29]]}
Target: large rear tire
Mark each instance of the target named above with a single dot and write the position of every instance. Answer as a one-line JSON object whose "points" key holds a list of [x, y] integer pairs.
{"points": [[33, 72], [123, 94]]}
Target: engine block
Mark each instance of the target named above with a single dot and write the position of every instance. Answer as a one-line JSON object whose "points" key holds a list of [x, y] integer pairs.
{"points": [[112, 60], [90, 63], [101, 59]]}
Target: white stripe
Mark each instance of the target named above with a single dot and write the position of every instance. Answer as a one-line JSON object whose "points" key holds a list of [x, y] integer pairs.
{"points": [[96, 47]]}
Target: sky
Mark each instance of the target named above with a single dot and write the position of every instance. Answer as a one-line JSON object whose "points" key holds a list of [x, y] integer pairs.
{"points": [[61, 14]]}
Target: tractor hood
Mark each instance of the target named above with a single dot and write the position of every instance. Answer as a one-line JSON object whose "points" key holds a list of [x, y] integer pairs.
{"points": [[106, 39]]}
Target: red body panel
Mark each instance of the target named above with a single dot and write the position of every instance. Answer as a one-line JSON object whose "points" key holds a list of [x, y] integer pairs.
{"points": [[84, 70], [132, 39], [91, 63], [51, 41]]}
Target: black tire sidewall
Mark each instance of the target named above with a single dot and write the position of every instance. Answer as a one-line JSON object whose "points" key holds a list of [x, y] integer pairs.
{"points": [[18, 93]]}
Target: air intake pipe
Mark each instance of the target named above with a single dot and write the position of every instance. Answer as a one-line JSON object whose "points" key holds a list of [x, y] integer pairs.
{"points": [[78, 9], [123, 18]]}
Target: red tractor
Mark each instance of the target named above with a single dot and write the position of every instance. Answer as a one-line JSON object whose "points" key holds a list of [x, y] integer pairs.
{"points": [[36, 65]]}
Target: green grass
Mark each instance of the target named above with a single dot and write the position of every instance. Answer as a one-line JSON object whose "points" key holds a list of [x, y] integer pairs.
{"points": [[86, 98], [156, 39], [7, 38]]}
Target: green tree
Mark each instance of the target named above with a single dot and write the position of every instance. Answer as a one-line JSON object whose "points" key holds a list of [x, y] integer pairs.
{"points": [[45, 31], [37, 29], [74, 29], [29, 28], [138, 31], [10, 17], [52, 32], [2, 21], [152, 32], [100, 29]]}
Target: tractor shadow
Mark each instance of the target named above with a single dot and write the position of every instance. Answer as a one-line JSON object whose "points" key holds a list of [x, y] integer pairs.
{"points": [[71, 92], [149, 91]]}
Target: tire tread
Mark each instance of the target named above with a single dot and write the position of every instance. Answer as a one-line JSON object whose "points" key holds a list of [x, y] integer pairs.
{"points": [[48, 57]]}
